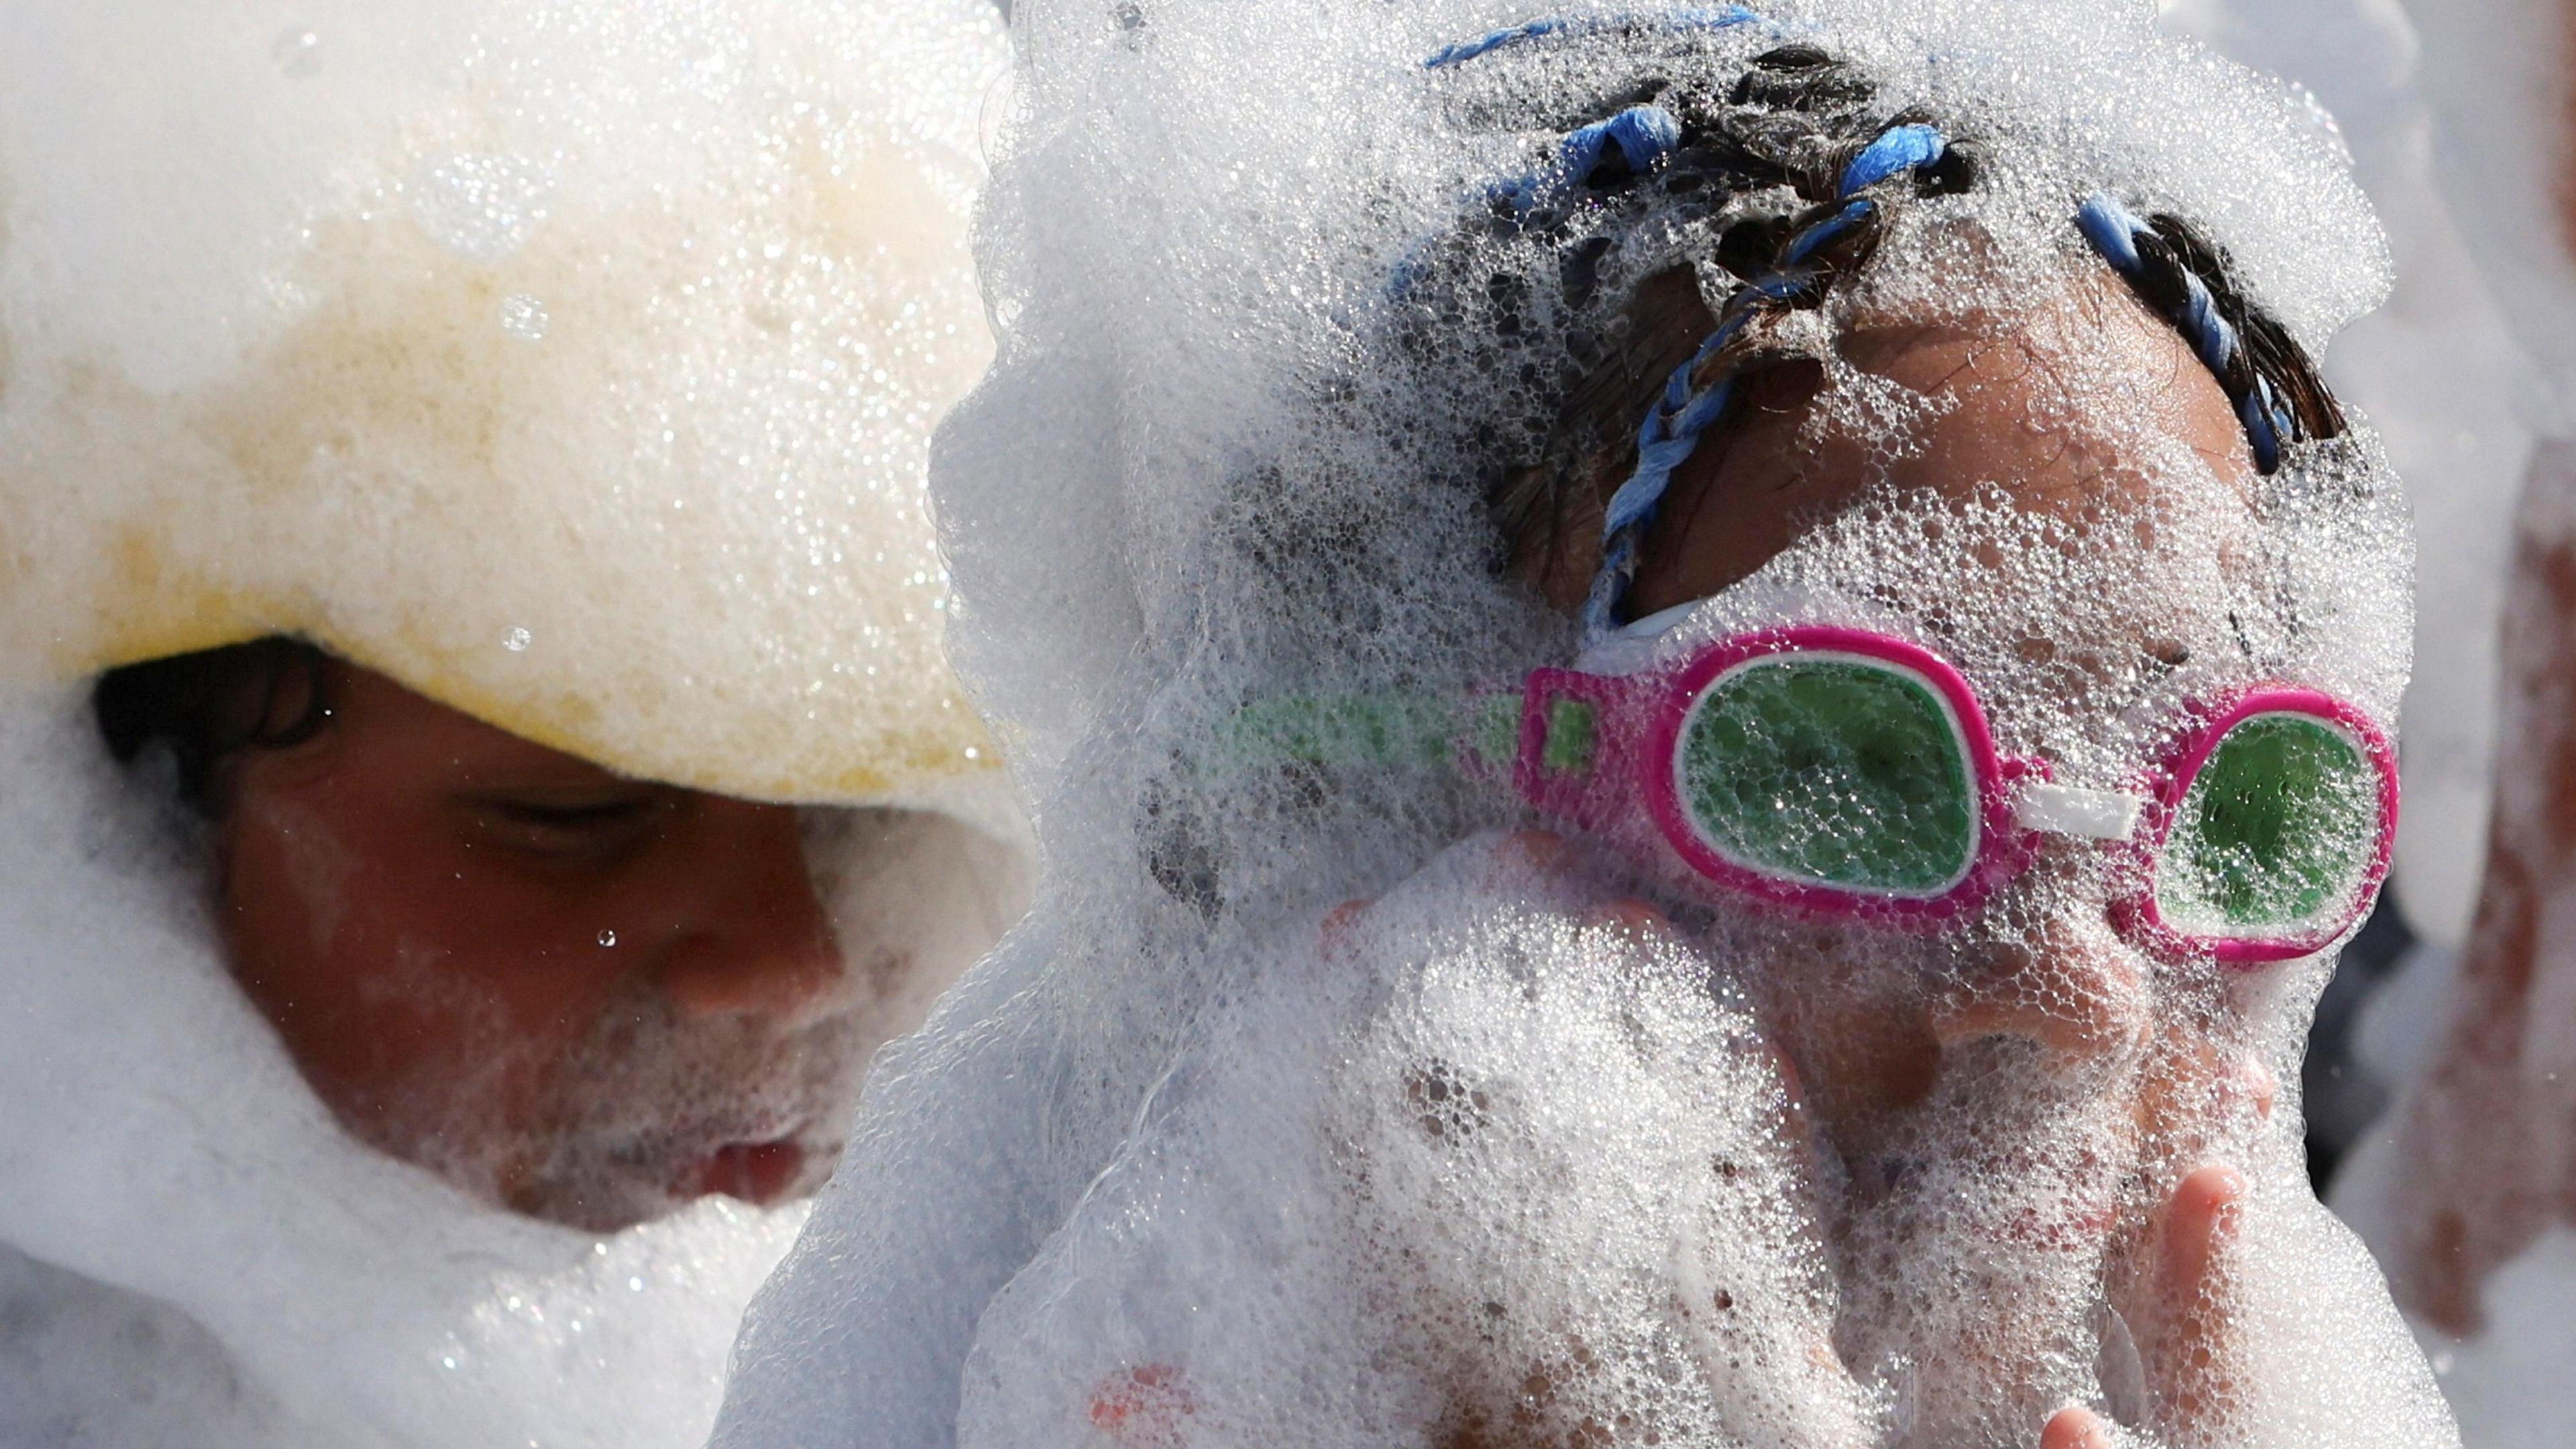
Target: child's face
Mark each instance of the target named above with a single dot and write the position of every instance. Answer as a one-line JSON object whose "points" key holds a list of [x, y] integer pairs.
{"points": [[587, 997], [2063, 511]]}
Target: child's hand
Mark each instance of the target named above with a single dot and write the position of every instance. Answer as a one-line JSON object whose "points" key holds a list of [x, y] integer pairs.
{"points": [[2194, 1331], [2186, 1333]]}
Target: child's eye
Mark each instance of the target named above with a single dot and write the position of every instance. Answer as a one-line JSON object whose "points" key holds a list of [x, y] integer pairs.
{"points": [[568, 827]]}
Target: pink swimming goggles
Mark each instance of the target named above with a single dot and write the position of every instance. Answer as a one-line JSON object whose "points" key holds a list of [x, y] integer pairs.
{"points": [[1838, 771]]}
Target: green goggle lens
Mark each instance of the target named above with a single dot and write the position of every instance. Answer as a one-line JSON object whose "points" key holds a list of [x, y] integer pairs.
{"points": [[2276, 831], [1833, 772]]}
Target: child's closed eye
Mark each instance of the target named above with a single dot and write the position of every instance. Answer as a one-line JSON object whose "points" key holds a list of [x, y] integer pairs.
{"points": [[573, 825]]}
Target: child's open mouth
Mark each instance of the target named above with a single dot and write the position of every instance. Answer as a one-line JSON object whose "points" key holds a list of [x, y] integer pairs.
{"points": [[755, 1172]]}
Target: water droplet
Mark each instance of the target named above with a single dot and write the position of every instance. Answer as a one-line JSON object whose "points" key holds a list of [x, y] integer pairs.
{"points": [[608, 938], [297, 51], [516, 641], [523, 317]]}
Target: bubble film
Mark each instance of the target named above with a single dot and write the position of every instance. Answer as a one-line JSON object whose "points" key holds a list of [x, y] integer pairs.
{"points": [[2454, 114], [1551, 1144]]}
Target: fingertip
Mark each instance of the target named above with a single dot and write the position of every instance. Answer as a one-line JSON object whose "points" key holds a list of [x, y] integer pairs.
{"points": [[2202, 1221], [2263, 1087], [2075, 1428], [2212, 1190]]}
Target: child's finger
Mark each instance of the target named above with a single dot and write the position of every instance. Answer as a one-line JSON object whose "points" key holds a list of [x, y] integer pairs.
{"points": [[2202, 1094], [2200, 1223], [2260, 1087], [2075, 1428], [2197, 1357]]}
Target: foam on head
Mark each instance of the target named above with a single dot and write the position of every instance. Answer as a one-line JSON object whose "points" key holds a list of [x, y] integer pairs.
{"points": [[575, 364], [2443, 107], [1174, 1168]]}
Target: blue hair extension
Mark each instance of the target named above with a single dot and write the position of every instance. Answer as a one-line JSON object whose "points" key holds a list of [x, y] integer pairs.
{"points": [[1644, 135], [2267, 422], [2114, 230], [2166, 271], [1897, 149], [1672, 429], [1722, 17], [1665, 440], [1804, 246]]}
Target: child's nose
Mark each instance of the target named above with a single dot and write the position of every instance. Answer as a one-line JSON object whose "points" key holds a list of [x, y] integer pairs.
{"points": [[756, 940], [795, 977], [2069, 982]]}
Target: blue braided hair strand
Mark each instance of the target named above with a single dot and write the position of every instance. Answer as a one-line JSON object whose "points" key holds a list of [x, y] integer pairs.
{"points": [[1797, 122], [1696, 395], [2268, 377]]}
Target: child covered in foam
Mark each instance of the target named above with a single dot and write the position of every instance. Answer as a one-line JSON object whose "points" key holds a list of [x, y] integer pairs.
{"points": [[467, 461], [1854, 474]]}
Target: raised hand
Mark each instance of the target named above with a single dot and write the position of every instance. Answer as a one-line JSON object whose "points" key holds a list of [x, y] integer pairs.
{"points": [[2166, 1086]]}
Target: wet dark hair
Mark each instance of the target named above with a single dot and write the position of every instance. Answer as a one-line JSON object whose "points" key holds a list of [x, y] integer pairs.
{"points": [[207, 706], [1765, 151]]}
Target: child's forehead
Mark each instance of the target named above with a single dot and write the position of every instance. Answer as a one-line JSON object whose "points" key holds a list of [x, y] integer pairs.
{"points": [[2080, 408]]}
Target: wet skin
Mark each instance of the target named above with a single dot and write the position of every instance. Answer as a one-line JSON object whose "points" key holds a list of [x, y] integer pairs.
{"points": [[1737, 504], [1860, 1048], [1866, 1047], [454, 929]]}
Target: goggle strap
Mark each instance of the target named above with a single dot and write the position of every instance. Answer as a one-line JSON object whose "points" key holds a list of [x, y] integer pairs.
{"points": [[1478, 735]]}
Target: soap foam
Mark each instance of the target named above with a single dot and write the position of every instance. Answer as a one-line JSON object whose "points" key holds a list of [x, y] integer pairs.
{"points": [[1174, 1167], [576, 363]]}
